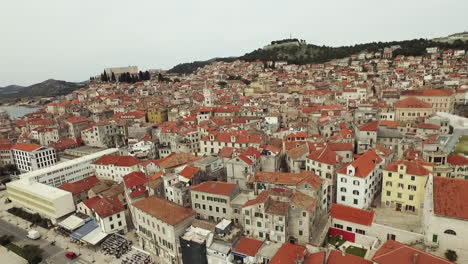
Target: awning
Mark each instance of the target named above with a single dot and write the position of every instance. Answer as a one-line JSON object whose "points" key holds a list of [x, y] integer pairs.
{"points": [[183, 179], [94, 236], [72, 222], [84, 230]]}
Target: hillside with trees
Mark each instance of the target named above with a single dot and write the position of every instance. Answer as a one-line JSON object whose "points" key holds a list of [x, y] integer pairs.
{"points": [[309, 54]]}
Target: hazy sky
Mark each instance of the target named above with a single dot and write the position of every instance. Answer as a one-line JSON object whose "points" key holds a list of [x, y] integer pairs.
{"points": [[74, 39]]}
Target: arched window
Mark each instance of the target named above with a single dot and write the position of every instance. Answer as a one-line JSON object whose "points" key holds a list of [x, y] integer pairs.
{"points": [[356, 182], [343, 189], [450, 232], [343, 180], [355, 192]]}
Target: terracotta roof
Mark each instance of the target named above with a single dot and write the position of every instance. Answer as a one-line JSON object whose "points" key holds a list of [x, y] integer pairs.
{"points": [[412, 167], [121, 161], [389, 124], [412, 102], [189, 172], [372, 126], [248, 246], [288, 254], [214, 187], [392, 252], [351, 214], [337, 257], [136, 178], [76, 119], [164, 210], [261, 198], [303, 201], [450, 196], [26, 147], [277, 207], [364, 164], [80, 186], [457, 160], [325, 155], [175, 160], [428, 126], [288, 178], [427, 92], [340, 146], [226, 152], [104, 207], [315, 258]]}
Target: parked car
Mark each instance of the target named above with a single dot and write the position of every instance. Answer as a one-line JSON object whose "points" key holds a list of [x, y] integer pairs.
{"points": [[71, 255], [33, 234]]}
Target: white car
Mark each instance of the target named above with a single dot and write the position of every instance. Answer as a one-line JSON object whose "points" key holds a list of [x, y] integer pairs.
{"points": [[34, 234]]}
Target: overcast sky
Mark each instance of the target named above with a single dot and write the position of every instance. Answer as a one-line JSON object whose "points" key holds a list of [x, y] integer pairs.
{"points": [[74, 39]]}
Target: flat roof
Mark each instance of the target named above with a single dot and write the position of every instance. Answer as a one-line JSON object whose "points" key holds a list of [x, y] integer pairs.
{"points": [[67, 163], [39, 189]]}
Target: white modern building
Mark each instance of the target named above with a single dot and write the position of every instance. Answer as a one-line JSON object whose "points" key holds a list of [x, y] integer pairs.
{"points": [[30, 157], [48, 201], [67, 171]]}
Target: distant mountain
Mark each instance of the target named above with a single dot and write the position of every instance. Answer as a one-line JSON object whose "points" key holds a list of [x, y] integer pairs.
{"points": [[11, 89], [46, 88], [296, 51]]}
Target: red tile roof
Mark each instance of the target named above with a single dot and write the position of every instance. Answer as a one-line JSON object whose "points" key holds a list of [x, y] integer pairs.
{"points": [[248, 246], [80, 186], [133, 179], [288, 254], [288, 178], [392, 252], [364, 164], [457, 160], [450, 196], [175, 160], [372, 126], [412, 167], [164, 210], [351, 214], [214, 187], [412, 102], [121, 161], [427, 92], [26, 147], [104, 207], [428, 126], [76, 119], [189, 172], [326, 156]]}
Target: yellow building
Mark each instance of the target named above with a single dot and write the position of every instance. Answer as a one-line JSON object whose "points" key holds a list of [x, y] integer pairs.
{"points": [[157, 115], [412, 109], [441, 100], [403, 185]]}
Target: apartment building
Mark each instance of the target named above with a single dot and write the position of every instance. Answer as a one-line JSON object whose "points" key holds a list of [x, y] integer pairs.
{"points": [[403, 185], [366, 136], [100, 135], [75, 125], [281, 215], [412, 109], [109, 213], [211, 200], [159, 225], [459, 166], [114, 167], [440, 100], [213, 143], [239, 168], [360, 181], [68, 171], [6, 154], [31, 157]]}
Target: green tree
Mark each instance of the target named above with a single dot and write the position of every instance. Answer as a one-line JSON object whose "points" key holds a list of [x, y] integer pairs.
{"points": [[32, 253], [113, 77], [451, 255]]}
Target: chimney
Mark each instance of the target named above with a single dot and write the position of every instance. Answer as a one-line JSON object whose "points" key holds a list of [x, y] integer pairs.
{"points": [[415, 258]]}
